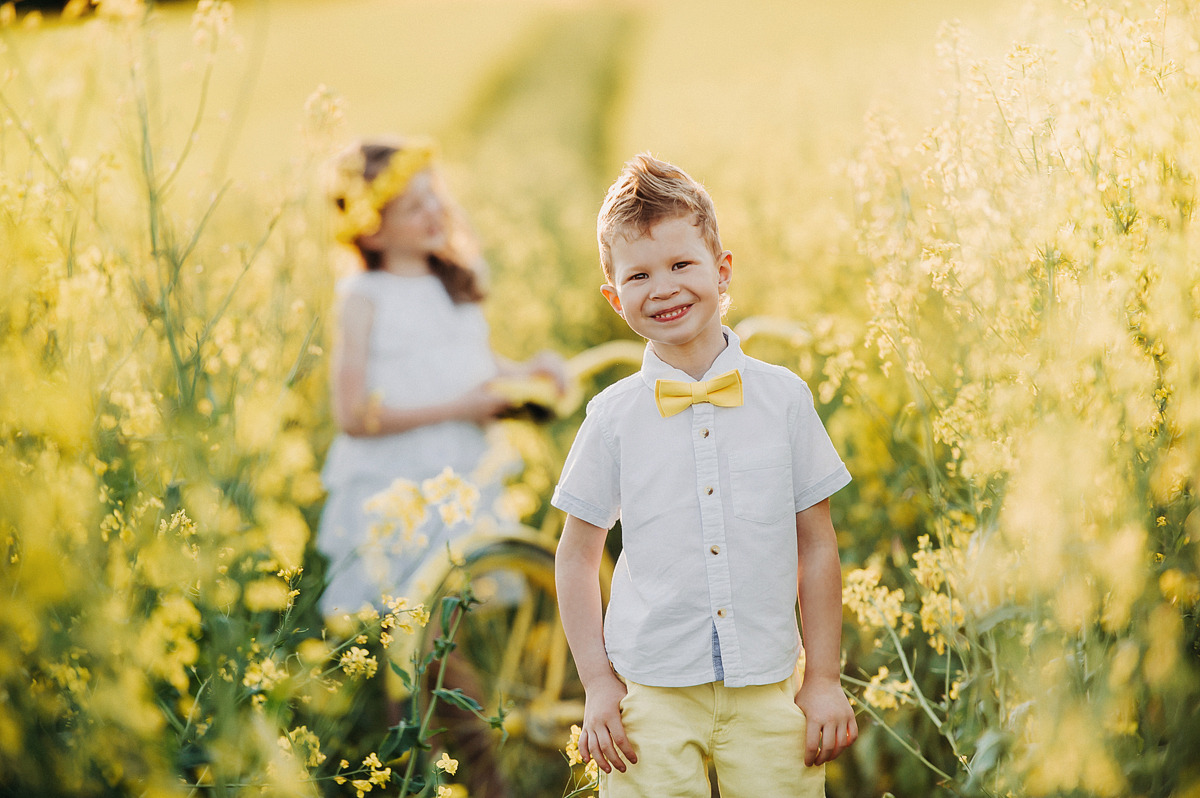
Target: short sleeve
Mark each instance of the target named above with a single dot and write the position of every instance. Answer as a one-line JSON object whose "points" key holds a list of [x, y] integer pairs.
{"points": [[817, 470], [590, 486], [354, 290]]}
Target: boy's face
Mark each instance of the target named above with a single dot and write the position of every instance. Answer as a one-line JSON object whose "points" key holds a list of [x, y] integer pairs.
{"points": [[667, 285]]}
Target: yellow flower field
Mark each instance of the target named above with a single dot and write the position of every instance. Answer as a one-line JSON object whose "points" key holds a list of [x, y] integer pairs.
{"points": [[995, 274]]}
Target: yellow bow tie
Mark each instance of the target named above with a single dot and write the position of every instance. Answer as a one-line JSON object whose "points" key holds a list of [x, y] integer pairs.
{"points": [[674, 396]]}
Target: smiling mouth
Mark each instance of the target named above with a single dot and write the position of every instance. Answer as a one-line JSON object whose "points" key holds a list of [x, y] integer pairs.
{"points": [[671, 314]]}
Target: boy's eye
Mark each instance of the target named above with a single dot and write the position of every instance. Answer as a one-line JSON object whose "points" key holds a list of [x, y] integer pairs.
{"points": [[637, 276], [681, 264]]}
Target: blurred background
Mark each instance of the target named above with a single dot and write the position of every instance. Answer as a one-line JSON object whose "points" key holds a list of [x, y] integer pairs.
{"points": [[972, 219]]}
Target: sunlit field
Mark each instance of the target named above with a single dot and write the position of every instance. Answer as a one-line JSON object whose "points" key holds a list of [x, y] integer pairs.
{"points": [[973, 220]]}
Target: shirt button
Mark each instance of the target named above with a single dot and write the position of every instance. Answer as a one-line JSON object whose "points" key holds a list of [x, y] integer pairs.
{"points": [[704, 432], [715, 549], [720, 613], [708, 491]]}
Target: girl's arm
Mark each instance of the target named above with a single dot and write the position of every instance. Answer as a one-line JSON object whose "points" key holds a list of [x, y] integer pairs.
{"points": [[831, 724], [577, 578], [356, 415]]}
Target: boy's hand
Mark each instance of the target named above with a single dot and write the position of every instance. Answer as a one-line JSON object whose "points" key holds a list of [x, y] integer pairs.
{"points": [[831, 724], [603, 734]]}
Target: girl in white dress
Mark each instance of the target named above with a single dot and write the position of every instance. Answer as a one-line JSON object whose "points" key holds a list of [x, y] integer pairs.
{"points": [[411, 367]]}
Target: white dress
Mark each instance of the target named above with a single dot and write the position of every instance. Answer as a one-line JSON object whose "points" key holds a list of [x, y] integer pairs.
{"points": [[424, 349]]}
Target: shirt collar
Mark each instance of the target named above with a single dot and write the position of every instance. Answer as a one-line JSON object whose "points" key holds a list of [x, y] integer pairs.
{"points": [[731, 357]]}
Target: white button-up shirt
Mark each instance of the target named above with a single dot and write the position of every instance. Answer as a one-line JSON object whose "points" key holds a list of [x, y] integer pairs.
{"points": [[707, 500]]}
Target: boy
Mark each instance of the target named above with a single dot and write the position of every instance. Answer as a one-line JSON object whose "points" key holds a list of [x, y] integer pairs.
{"points": [[720, 472]]}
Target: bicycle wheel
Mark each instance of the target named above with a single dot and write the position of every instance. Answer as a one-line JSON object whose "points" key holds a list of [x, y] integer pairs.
{"points": [[511, 652]]}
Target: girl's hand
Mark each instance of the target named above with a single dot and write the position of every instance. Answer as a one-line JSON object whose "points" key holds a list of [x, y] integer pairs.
{"points": [[831, 723], [551, 364], [480, 406], [603, 737]]}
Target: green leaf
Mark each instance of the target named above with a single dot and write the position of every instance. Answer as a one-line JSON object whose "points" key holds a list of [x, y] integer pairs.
{"points": [[988, 751], [997, 617], [407, 735], [389, 745], [458, 698], [402, 673], [449, 605]]}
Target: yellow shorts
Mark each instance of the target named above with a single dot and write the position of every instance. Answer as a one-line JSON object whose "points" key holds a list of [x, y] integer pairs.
{"points": [[754, 736]]}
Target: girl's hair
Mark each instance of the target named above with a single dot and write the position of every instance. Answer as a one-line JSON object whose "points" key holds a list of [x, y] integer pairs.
{"points": [[454, 263], [647, 192]]}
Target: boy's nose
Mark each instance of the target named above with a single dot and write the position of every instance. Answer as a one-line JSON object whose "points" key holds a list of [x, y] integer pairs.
{"points": [[664, 287]]}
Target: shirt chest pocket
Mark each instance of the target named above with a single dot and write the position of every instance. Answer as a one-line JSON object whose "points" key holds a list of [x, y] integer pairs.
{"points": [[761, 484]]}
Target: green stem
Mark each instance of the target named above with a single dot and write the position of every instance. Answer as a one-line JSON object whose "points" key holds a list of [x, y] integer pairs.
{"points": [[859, 682], [920, 695], [194, 133], [425, 721], [905, 743], [908, 671]]}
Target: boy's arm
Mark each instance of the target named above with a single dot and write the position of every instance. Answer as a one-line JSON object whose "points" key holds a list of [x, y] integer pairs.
{"points": [[577, 577], [831, 724]]}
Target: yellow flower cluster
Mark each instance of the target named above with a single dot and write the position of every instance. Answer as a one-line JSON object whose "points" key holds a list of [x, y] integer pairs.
{"points": [[874, 604], [1031, 301], [303, 742], [167, 644], [400, 616], [360, 200], [264, 674], [573, 755], [358, 663], [377, 775], [398, 512], [941, 613], [885, 693], [591, 771], [455, 496]]}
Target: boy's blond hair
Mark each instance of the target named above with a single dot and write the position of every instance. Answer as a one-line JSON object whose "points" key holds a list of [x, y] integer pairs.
{"points": [[647, 192]]}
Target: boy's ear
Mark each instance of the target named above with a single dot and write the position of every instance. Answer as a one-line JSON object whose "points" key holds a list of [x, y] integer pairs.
{"points": [[724, 271], [610, 293]]}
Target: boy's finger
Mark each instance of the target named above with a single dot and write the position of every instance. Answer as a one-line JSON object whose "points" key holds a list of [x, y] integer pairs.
{"points": [[596, 751], [845, 738], [812, 744], [841, 741], [609, 753], [622, 741], [585, 751]]}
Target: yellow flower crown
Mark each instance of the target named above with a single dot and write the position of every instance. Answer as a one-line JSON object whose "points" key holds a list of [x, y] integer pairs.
{"points": [[360, 200]]}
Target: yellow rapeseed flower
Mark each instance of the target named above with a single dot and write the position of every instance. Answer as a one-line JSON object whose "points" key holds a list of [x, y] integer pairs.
{"points": [[874, 604], [573, 755], [267, 594], [305, 743], [358, 663], [885, 693]]}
